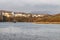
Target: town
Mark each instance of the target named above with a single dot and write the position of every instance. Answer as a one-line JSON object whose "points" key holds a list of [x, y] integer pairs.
{"points": [[9, 16]]}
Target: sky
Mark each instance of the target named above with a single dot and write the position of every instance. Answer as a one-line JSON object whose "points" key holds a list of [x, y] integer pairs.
{"points": [[30, 5]]}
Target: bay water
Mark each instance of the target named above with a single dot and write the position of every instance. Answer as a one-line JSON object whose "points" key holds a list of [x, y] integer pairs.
{"points": [[29, 31]]}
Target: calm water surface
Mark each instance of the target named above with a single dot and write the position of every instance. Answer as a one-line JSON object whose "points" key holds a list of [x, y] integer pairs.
{"points": [[29, 31]]}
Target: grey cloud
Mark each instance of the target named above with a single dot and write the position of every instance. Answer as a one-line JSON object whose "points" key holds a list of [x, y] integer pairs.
{"points": [[20, 5]]}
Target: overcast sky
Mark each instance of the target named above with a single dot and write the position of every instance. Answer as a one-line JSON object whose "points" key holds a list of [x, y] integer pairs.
{"points": [[30, 5]]}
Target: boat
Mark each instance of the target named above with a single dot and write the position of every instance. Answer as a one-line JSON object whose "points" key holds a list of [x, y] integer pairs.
{"points": [[14, 21]]}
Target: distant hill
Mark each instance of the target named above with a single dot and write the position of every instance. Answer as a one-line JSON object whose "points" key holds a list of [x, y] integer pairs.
{"points": [[43, 12]]}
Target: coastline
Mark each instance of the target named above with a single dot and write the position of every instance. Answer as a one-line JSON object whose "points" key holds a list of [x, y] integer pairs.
{"points": [[35, 22], [47, 22]]}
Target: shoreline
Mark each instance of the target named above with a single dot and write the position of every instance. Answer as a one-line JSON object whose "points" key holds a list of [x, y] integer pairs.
{"points": [[47, 22], [35, 22]]}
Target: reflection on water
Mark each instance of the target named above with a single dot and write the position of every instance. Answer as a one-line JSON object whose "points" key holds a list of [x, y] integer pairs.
{"points": [[29, 31]]}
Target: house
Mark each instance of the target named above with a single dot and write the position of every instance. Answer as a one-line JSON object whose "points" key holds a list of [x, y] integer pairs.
{"points": [[37, 15], [21, 14], [6, 13]]}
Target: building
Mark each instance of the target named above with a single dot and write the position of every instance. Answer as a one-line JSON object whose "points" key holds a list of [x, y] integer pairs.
{"points": [[20, 14], [37, 15], [6, 13]]}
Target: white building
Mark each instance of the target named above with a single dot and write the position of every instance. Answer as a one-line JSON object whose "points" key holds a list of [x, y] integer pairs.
{"points": [[7, 13], [37, 15], [22, 15]]}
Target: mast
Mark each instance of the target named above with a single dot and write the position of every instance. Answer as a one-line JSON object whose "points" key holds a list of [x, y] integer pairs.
{"points": [[13, 17], [2, 16]]}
